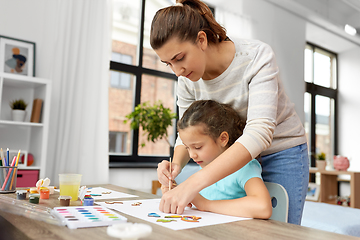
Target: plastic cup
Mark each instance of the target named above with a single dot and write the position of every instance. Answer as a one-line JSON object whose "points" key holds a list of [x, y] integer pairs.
{"points": [[64, 200], [69, 185], [44, 193]]}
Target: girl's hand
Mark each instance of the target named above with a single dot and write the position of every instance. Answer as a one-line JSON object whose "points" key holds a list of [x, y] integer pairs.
{"points": [[164, 176], [165, 188]]}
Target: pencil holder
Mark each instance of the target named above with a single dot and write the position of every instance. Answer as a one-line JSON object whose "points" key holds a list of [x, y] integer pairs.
{"points": [[8, 177]]}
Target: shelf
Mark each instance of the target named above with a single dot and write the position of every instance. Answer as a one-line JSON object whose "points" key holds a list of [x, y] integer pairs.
{"points": [[329, 185], [20, 81], [29, 137], [13, 123], [29, 168]]}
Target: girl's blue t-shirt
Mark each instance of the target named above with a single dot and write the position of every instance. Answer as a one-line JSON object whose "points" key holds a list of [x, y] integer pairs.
{"points": [[233, 186]]}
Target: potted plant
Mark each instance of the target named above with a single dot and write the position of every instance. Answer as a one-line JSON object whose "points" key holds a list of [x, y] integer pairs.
{"points": [[320, 161], [18, 109], [154, 120]]}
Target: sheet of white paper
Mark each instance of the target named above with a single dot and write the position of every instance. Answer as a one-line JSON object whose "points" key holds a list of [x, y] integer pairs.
{"points": [[107, 193], [152, 206]]}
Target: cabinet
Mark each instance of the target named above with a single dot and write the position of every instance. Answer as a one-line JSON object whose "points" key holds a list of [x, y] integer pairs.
{"points": [[27, 136], [26, 178], [329, 186]]}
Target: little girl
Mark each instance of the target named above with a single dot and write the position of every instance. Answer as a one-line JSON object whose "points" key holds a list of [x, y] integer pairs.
{"points": [[207, 129]]}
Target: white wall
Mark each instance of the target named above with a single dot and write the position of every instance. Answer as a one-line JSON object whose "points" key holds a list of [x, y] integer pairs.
{"points": [[28, 20], [349, 106], [139, 179]]}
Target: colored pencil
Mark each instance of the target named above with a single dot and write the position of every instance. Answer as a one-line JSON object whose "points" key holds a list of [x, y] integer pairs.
{"points": [[2, 176], [8, 156], [14, 175], [4, 162], [170, 181], [17, 159], [3, 158]]}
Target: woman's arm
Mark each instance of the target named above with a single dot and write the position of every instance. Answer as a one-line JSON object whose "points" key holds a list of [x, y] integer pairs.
{"points": [[256, 204], [234, 158]]}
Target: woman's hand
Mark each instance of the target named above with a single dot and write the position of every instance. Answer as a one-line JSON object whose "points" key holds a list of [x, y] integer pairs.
{"points": [[164, 175], [175, 200]]}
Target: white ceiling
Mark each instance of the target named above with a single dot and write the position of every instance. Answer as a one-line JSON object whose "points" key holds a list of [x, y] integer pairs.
{"points": [[326, 19]]}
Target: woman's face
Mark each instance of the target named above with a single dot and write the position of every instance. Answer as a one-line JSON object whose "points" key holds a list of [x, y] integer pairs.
{"points": [[184, 58], [201, 147]]}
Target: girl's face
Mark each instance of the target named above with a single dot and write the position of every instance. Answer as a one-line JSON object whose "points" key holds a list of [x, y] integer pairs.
{"points": [[184, 58], [201, 147]]}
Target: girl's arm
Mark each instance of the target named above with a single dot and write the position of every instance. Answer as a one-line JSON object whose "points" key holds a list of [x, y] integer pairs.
{"points": [[234, 158], [256, 204]]}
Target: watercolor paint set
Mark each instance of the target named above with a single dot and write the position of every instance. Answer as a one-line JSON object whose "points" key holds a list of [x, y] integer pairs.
{"points": [[88, 216]]}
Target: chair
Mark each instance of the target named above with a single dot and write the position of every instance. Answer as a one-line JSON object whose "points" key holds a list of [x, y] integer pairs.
{"points": [[279, 201], [155, 186]]}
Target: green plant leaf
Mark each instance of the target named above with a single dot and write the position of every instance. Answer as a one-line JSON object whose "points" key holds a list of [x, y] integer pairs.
{"points": [[321, 156], [18, 104], [153, 119]]}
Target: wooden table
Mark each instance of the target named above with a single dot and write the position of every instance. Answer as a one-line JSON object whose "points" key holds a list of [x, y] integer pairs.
{"points": [[329, 186], [22, 228]]}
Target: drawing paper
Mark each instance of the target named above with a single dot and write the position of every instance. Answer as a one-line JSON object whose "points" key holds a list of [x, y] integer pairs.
{"points": [[152, 206], [100, 190], [111, 195]]}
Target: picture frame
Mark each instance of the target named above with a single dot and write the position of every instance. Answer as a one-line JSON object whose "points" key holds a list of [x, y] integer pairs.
{"points": [[17, 56], [21, 164], [313, 192]]}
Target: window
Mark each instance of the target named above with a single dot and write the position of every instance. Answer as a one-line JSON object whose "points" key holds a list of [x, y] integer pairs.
{"points": [[136, 76], [117, 142], [320, 101], [120, 79]]}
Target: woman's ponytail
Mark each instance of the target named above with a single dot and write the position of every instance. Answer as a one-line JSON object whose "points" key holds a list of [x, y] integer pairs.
{"points": [[184, 21]]}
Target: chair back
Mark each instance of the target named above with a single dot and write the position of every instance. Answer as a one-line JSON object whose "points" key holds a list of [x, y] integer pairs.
{"points": [[279, 201], [186, 172]]}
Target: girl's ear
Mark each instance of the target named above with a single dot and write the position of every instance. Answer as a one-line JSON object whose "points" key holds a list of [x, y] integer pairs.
{"points": [[224, 138], [202, 40]]}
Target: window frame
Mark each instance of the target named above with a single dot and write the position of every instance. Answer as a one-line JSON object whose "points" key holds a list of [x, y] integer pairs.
{"points": [[134, 160], [314, 90]]}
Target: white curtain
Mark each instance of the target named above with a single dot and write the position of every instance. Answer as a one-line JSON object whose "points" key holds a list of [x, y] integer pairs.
{"points": [[78, 132]]}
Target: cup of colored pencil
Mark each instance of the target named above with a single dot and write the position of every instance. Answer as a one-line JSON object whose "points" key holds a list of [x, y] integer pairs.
{"points": [[8, 177], [8, 173]]}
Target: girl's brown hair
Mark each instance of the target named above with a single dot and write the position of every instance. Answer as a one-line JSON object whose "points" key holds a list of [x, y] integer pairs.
{"points": [[185, 22], [216, 118]]}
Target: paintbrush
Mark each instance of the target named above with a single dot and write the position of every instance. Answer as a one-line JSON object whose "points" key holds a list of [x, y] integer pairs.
{"points": [[170, 181]]}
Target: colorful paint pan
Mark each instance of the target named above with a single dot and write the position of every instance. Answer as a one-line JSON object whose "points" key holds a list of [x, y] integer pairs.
{"points": [[88, 216]]}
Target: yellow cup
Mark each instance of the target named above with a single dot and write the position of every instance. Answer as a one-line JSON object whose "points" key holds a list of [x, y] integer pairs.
{"points": [[69, 185]]}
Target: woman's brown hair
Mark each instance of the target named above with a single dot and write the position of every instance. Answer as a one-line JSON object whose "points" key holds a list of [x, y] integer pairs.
{"points": [[215, 117], [185, 22]]}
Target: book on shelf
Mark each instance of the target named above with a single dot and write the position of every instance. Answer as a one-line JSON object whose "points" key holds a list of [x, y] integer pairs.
{"points": [[36, 110]]}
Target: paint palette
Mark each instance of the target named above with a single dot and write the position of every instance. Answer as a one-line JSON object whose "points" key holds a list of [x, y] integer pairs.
{"points": [[88, 216]]}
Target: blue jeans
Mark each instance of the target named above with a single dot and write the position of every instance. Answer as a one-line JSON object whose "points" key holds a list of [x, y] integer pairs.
{"points": [[290, 168]]}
